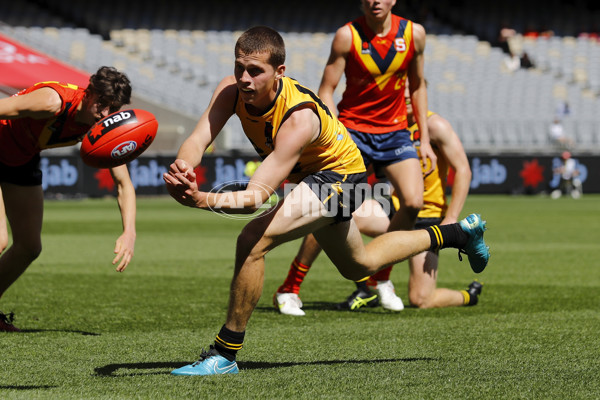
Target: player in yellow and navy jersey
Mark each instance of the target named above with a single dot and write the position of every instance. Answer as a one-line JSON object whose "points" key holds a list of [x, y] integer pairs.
{"points": [[298, 138]]}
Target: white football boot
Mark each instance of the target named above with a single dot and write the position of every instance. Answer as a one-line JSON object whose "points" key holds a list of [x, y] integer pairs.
{"points": [[387, 296], [288, 304]]}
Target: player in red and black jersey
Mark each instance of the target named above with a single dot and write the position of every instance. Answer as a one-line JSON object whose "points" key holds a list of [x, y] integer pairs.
{"points": [[46, 115]]}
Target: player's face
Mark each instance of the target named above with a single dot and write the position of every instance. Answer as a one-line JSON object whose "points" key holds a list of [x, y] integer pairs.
{"points": [[377, 9], [100, 111], [256, 79], [94, 110]]}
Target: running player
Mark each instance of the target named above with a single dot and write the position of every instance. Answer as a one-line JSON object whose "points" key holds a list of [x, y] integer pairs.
{"points": [[301, 140]]}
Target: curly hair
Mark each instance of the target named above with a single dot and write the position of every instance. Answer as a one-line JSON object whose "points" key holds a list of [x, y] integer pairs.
{"points": [[112, 87]]}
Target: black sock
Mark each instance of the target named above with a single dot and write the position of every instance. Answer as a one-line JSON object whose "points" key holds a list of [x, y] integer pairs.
{"points": [[443, 236], [362, 285], [229, 342]]}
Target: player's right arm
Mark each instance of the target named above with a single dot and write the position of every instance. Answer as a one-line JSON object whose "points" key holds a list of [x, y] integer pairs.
{"points": [[39, 104], [340, 48], [189, 156], [418, 94], [444, 137]]}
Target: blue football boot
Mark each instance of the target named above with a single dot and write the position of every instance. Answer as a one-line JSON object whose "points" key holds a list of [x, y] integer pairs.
{"points": [[210, 363], [475, 249]]}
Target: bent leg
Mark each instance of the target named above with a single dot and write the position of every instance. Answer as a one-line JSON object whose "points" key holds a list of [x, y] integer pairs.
{"points": [[422, 290], [344, 245], [298, 214], [309, 250], [371, 219], [307, 254], [24, 209]]}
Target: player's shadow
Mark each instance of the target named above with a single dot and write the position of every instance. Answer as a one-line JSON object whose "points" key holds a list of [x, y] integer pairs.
{"points": [[157, 368], [84, 333], [26, 387]]}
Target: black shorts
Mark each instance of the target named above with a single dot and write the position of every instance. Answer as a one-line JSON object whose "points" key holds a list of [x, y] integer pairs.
{"points": [[340, 194], [28, 174], [423, 223]]}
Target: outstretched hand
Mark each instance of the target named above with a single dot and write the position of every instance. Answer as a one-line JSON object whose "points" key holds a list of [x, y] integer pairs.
{"points": [[181, 183], [124, 251]]}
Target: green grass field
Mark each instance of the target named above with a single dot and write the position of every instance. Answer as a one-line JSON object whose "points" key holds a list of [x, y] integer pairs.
{"points": [[90, 332]]}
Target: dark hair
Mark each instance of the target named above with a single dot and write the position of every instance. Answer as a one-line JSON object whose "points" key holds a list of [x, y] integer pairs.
{"points": [[112, 87], [262, 39]]}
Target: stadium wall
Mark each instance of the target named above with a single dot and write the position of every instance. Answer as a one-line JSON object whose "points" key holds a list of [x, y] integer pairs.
{"points": [[67, 176]]}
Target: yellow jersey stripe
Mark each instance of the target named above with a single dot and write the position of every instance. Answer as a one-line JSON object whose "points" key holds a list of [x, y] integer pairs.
{"points": [[382, 78]]}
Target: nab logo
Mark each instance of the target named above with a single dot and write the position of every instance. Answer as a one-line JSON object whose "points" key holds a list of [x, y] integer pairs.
{"points": [[109, 123], [124, 149], [118, 119]]}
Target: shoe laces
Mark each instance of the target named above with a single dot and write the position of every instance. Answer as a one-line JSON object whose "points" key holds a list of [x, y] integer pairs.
{"points": [[359, 293], [207, 354]]}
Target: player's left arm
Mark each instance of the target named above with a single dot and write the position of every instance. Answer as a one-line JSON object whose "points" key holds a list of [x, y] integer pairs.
{"points": [[293, 136], [39, 104], [125, 244], [418, 96], [444, 137]]}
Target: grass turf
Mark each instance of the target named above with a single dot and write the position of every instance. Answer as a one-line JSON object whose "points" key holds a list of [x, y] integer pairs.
{"points": [[90, 332]]}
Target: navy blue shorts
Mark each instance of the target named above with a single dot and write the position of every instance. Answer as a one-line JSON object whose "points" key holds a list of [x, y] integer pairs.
{"points": [[383, 149], [28, 174], [340, 194]]}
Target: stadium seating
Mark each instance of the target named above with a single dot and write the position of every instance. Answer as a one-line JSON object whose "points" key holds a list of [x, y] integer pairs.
{"points": [[176, 54]]}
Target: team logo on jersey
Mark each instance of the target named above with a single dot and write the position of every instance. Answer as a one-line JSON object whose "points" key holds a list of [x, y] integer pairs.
{"points": [[366, 49]]}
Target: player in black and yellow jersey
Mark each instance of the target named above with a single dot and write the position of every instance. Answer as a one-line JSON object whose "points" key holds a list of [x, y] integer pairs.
{"points": [[298, 139], [376, 53], [422, 284], [373, 221]]}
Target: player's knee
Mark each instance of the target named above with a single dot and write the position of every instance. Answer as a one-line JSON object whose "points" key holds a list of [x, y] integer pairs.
{"points": [[250, 244], [420, 299], [413, 205], [354, 274], [28, 251]]}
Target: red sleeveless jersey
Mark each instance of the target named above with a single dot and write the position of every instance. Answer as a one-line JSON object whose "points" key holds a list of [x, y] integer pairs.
{"points": [[21, 139], [376, 68]]}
